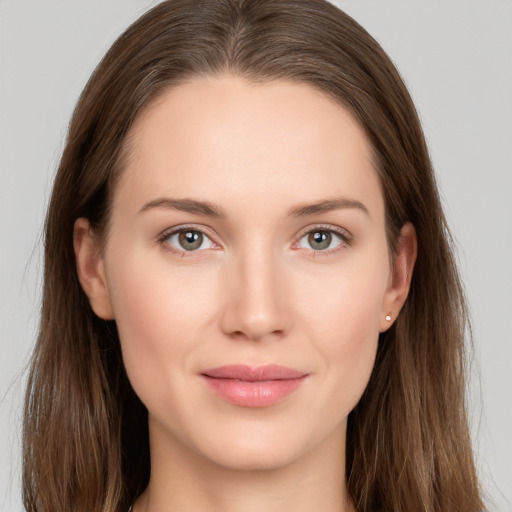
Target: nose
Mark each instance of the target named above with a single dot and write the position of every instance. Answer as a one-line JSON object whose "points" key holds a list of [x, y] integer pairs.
{"points": [[255, 298]]}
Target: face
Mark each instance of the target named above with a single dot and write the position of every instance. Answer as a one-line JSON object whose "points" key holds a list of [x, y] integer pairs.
{"points": [[247, 269]]}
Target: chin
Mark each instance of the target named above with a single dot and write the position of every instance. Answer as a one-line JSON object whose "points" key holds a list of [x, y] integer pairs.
{"points": [[253, 458], [265, 447]]}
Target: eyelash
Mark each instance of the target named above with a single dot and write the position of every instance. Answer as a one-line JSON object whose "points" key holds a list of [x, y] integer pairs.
{"points": [[164, 237], [345, 237]]}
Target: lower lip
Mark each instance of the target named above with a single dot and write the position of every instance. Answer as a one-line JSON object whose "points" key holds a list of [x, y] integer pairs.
{"points": [[254, 394]]}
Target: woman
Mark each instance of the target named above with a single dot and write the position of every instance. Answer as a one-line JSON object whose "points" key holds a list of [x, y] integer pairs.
{"points": [[242, 308]]}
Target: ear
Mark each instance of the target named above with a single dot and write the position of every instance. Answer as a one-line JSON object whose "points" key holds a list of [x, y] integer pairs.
{"points": [[90, 269], [401, 276]]}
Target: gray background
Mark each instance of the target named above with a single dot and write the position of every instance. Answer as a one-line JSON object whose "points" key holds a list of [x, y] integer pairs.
{"points": [[456, 57]]}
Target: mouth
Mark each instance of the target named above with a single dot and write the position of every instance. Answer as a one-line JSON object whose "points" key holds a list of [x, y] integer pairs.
{"points": [[260, 386]]}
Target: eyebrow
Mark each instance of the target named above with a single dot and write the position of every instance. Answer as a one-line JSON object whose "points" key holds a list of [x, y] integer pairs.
{"points": [[337, 203], [185, 205], [212, 210]]}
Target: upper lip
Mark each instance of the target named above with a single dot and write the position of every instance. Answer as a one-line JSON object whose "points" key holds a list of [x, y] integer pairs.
{"points": [[254, 373]]}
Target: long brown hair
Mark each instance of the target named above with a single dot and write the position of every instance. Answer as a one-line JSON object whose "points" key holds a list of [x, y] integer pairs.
{"points": [[85, 431]]}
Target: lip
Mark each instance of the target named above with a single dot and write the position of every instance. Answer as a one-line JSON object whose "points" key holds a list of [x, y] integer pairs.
{"points": [[248, 386]]}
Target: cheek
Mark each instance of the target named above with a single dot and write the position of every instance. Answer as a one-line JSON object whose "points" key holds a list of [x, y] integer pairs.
{"points": [[159, 315], [346, 300], [153, 299], [344, 322]]}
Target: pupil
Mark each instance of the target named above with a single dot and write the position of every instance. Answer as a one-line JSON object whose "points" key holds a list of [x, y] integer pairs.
{"points": [[320, 240], [190, 240]]}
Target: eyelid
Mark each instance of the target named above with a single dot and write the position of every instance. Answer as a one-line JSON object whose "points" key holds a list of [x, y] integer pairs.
{"points": [[167, 233], [346, 237]]}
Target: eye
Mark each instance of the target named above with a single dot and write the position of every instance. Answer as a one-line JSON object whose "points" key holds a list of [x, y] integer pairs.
{"points": [[187, 239], [321, 240]]}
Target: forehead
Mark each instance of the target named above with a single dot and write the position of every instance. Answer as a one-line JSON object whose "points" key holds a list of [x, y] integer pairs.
{"points": [[223, 137]]}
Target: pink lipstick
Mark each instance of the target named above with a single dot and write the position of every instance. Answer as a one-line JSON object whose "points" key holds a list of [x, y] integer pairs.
{"points": [[247, 386]]}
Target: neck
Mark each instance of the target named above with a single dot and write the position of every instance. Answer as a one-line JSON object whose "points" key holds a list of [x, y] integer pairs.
{"points": [[184, 481]]}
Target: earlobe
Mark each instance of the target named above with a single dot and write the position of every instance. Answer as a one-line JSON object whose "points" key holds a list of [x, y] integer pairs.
{"points": [[401, 276], [90, 269]]}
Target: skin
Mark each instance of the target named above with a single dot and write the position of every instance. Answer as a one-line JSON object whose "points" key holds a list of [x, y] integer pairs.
{"points": [[256, 292]]}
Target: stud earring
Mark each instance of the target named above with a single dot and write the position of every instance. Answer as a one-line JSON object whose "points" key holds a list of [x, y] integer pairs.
{"points": [[388, 318]]}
